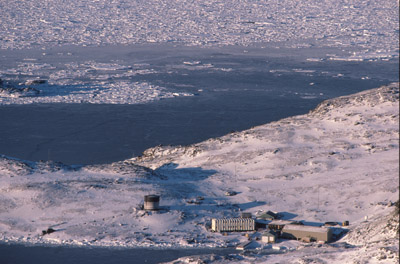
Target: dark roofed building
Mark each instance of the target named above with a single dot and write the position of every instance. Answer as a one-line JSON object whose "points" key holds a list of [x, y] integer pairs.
{"points": [[307, 233], [268, 216], [280, 224]]}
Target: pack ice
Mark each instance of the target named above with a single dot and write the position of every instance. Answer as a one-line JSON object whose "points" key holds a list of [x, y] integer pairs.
{"points": [[369, 27]]}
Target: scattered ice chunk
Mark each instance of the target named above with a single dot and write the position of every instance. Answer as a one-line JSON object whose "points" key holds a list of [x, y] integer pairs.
{"points": [[192, 62], [303, 71], [314, 59], [122, 92], [211, 23]]}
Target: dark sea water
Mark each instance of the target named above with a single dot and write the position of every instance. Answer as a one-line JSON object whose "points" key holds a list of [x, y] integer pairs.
{"points": [[19, 254], [242, 89]]}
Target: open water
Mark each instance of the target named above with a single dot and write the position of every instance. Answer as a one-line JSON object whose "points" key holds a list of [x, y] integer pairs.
{"points": [[20, 254], [234, 89]]}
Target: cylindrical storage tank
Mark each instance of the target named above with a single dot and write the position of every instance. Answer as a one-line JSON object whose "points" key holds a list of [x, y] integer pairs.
{"points": [[151, 202]]}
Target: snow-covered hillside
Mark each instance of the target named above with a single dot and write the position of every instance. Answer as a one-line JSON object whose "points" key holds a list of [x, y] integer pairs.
{"points": [[370, 26], [339, 162]]}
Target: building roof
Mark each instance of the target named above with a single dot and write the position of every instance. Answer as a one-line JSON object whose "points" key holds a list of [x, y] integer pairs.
{"points": [[316, 229], [233, 219], [268, 214], [281, 222], [269, 233]]}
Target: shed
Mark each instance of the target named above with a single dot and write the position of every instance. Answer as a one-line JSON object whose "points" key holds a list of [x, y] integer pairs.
{"points": [[307, 233], [245, 215], [269, 237], [244, 245]]}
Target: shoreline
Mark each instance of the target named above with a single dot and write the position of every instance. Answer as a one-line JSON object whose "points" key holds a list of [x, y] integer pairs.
{"points": [[232, 91], [316, 156]]}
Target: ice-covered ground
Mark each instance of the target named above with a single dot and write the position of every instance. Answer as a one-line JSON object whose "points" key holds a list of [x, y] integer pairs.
{"points": [[339, 162], [370, 26]]}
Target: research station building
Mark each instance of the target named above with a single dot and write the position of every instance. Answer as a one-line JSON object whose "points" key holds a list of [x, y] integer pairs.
{"points": [[311, 233], [233, 224]]}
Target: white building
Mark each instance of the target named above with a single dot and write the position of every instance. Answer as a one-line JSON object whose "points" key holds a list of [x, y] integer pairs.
{"points": [[233, 224]]}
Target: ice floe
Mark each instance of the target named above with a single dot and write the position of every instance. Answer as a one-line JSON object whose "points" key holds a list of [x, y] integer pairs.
{"points": [[100, 92], [371, 26]]}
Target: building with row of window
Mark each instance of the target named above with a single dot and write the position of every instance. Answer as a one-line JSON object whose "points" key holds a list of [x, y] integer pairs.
{"points": [[233, 224]]}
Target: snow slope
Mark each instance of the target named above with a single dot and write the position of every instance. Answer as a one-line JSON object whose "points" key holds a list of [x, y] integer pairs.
{"points": [[338, 162]]}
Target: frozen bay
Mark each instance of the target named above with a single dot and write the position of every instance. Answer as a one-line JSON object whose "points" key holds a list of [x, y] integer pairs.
{"points": [[167, 94]]}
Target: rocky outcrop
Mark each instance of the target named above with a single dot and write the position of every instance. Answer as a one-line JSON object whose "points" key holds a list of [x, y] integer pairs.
{"points": [[389, 93], [8, 89]]}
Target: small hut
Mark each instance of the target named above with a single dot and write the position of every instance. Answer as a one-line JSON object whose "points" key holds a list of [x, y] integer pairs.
{"points": [[269, 237], [245, 215]]}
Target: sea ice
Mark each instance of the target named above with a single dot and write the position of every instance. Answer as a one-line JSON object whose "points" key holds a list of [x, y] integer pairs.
{"points": [[372, 25]]}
